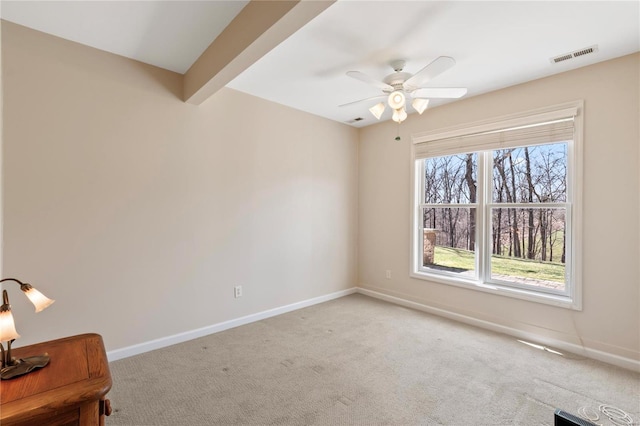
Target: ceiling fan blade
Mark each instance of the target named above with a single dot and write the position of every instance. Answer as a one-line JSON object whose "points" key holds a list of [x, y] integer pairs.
{"points": [[370, 80], [440, 92], [364, 100], [435, 68]]}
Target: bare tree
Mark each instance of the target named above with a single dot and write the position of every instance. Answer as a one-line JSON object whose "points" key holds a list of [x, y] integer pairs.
{"points": [[530, 190], [471, 185], [517, 252]]}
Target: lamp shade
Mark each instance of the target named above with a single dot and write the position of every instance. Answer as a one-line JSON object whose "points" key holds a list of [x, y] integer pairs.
{"points": [[7, 325], [39, 300], [420, 104], [396, 100], [377, 110], [399, 115]]}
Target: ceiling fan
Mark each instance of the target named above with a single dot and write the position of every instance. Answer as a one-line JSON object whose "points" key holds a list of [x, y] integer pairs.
{"points": [[399, 86]]}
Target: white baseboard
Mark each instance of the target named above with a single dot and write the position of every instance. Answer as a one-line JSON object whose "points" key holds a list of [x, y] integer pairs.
{"points": [[140, 348], [215, 328], [628, 363]]}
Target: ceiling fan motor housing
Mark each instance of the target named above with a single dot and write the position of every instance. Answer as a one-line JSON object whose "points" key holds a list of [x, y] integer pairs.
{"points": [[397, 79]]}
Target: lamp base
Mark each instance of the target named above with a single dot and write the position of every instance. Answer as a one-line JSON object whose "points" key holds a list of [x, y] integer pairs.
{"points": [[23, 366]]}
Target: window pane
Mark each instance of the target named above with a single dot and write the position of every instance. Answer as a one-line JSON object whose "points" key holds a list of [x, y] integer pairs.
{"points": [[449, 240], [534, 174], [529, 247], [451, 179]]}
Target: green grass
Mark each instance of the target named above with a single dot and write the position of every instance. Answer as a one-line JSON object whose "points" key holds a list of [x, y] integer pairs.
{"points": [[454, 258], [463, 260]]}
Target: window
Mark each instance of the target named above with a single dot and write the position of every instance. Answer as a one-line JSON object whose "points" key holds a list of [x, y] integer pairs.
{"points": [[497, 206]]}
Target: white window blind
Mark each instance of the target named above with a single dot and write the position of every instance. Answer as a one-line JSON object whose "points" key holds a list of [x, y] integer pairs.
{"points": [[554, 126]]}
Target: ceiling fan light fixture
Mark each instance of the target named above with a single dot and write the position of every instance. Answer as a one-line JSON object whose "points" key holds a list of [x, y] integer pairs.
{"points": [[399, 115], [377, 110], [403, 115], [396, 100], [420, 104]]}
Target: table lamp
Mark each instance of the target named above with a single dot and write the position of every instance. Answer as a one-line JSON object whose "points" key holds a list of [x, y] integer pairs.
{"points": [[11, 367]]}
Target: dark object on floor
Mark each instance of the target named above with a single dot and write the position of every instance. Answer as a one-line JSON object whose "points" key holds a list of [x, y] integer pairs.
{"points": [[562, 418]]}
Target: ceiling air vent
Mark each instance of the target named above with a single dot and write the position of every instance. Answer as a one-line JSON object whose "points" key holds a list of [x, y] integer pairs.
{"points": [[574, 54], [354, 120], [561, 58], [585, 51]]}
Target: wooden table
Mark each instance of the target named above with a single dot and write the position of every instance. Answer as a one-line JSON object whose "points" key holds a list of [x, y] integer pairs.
{"points": [[69, 391]]}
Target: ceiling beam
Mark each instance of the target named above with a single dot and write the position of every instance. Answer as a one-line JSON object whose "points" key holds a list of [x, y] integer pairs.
{"points": [[259, 27]]}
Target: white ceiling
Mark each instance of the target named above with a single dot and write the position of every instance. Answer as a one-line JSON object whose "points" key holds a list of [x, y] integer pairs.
{"points": [[495, 44], [168, 34]]}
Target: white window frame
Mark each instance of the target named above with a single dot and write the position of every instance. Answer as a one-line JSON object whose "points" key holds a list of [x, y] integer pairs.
{"points": [[448, 142]]}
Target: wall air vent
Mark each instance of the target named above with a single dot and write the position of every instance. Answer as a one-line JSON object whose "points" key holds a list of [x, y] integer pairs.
{"points": [[574, 54]]}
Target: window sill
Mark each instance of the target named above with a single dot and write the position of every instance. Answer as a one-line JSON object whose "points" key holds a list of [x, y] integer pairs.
{"points": [[516, 293]]}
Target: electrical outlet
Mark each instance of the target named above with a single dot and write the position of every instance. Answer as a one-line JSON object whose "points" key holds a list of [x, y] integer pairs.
{"points": [[237, 291], [388, 274]]}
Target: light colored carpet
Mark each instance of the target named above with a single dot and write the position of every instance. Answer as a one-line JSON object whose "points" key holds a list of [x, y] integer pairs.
{"points": [[361, 361]]}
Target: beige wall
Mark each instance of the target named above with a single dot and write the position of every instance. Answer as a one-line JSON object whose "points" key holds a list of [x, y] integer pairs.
{"points": [[139, 213], [610, 319]]}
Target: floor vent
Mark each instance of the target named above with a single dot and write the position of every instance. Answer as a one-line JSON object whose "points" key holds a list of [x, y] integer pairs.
{"points": [[575, 54]]}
